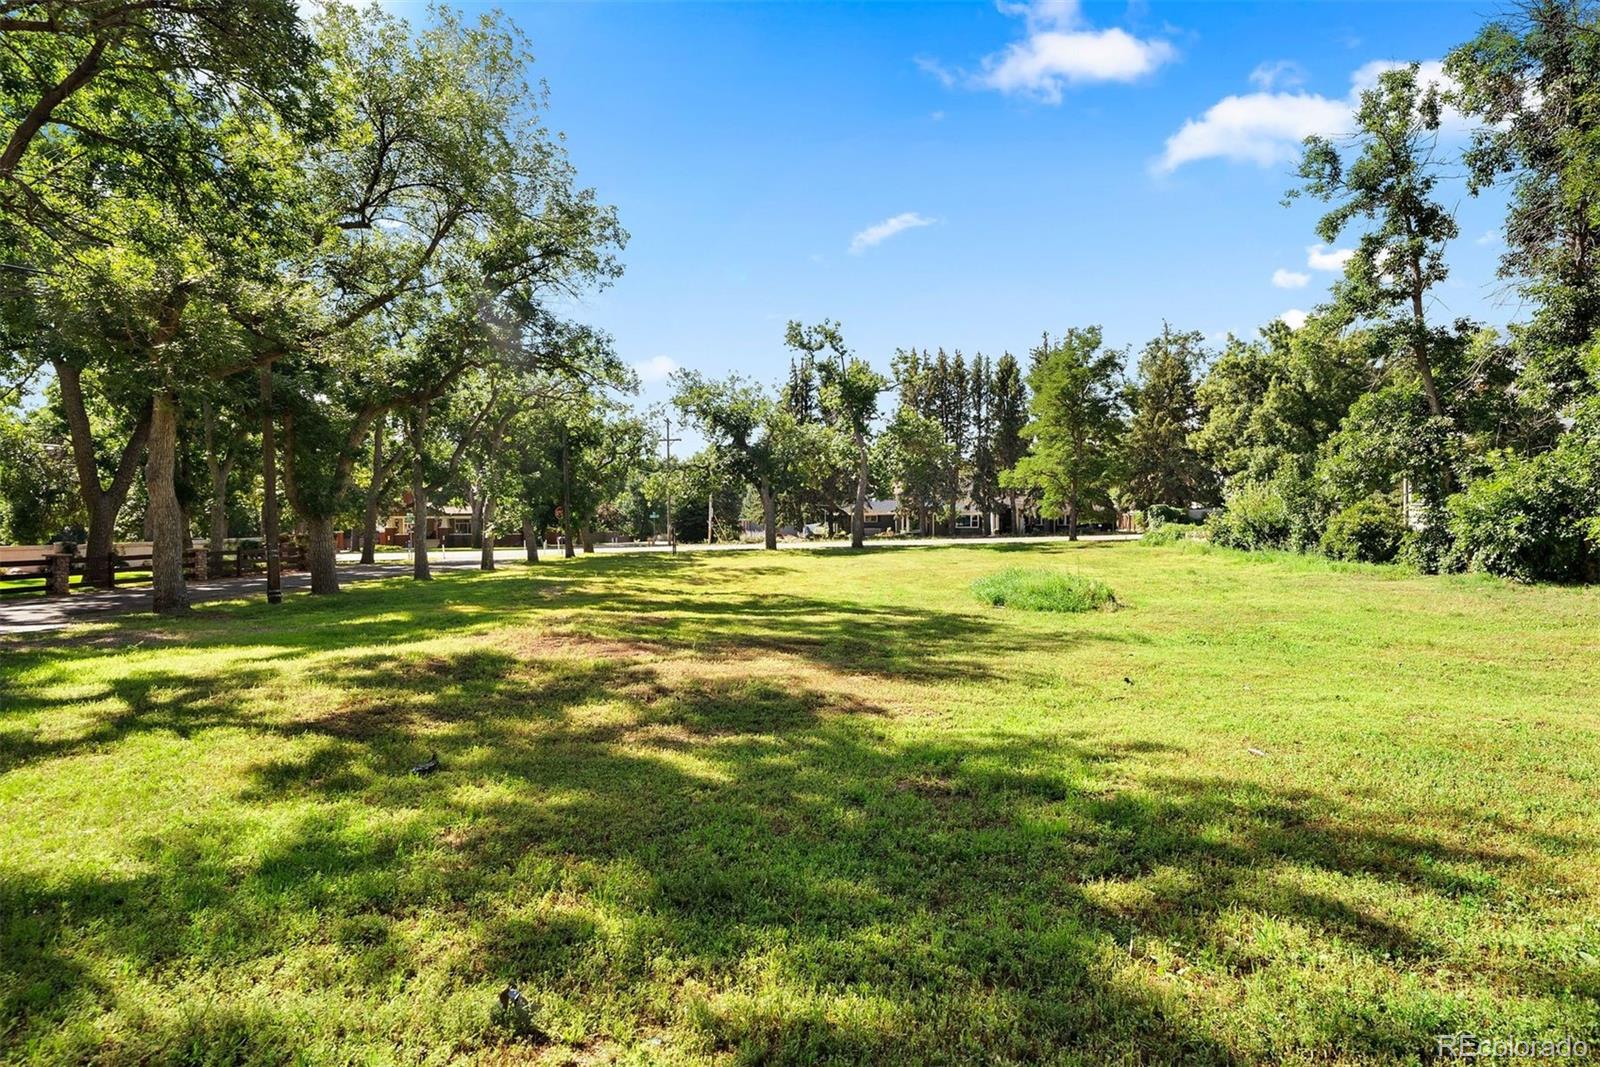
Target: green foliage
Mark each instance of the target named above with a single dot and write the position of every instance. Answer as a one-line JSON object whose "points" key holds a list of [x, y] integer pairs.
{"points": [[1165, 534], [1158, 515], [1161, 464], [1282, 513], [1270, 404], [1534, 518], [1040, 589], [1531, 79], [1077, 425], [1367, 531]]}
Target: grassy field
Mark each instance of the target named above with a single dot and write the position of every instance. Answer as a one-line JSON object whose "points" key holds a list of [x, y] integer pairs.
{"points": [[800, 807]]}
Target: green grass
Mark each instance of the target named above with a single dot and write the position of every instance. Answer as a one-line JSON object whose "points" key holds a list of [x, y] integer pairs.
{"points": [[1041, 589], [795, 807]]}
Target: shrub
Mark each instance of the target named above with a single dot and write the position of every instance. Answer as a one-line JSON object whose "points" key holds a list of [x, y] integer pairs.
{"points": [[1532, 518], [1162, 514], [1368, 531], [1427, 549], [1165, 534], [1036, 589], [1254, 517], [1282, 513]]}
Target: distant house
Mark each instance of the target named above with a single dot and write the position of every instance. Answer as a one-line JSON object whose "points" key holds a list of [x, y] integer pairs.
{"points": [[452, 524]]}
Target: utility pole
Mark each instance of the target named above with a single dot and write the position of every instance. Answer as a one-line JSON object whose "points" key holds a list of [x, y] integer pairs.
{"points": [[666, 441]]}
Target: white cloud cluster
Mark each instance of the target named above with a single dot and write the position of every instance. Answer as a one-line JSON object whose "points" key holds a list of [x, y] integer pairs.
{"points": [[1060, 49], [1334, 259], [1290, 279], [1294, 318], [1267, 127], [882, 231], [655, 369]]}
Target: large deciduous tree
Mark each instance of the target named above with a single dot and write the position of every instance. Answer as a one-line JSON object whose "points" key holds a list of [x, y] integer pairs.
{"points": [[1532, 79]]}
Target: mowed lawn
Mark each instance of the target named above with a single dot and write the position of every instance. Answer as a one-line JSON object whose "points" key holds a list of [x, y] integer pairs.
{"points": [[810, 807]]}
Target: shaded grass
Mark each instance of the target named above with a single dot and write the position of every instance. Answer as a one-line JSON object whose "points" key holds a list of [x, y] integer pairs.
{"points": [[1039, 589], [808, 807]]}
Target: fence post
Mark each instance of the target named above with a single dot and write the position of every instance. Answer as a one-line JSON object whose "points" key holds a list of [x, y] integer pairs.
{"points": [[58, 578], [201, 559]]}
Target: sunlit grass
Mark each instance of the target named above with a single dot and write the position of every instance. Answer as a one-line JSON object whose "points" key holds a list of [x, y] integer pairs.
{"points": [[795, 807]]}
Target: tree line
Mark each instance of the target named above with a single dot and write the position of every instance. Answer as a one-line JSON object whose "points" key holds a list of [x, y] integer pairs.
{"points": [[1380, 429], [328, 251], [236, 243]]}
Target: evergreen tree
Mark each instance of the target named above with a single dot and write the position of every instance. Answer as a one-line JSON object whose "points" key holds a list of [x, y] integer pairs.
{"points": [[985, 475], [1010, 416], [1162, 466], [1077, 422]]}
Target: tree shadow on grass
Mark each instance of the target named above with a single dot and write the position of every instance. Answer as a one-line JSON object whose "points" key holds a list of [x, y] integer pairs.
{"points": [[819, 890], [655, 843]]}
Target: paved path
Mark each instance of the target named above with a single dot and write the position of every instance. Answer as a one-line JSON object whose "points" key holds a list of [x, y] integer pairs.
{"points": [[36, 613]]}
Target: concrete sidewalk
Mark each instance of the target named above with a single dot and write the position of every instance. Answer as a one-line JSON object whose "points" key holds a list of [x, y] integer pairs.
{"points": [[20, 615]]}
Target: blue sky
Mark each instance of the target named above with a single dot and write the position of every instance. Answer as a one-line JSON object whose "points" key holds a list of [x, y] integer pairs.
{"points": [[966, 175]]}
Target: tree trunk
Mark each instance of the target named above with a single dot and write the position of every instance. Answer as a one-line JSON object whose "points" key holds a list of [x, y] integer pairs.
{"points": [[102, 504], [166, 516], [769, 512], [476, 521], [219, 508], [858, 517], [566, 496], [219, 467], [1419, 346], [486, 545], [1072, 512], [369, 525], [586, 536], [419, 497], [321, 555], [530, 541]]}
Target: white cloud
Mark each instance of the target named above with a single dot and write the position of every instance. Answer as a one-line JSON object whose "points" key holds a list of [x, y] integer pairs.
{"points": [[936, 116], [1046, 62], [656, 369], [931, 66], [1294, 318], [1284, 74], [882, 231], [1488, 238], [1320, 258], [1290, 279], [1268, 127], [1261, 128], [1060, 49]]}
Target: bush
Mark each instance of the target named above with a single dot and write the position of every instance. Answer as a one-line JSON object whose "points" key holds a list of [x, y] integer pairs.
{"points": [[1368, 531], [1531, 519], [1157, 515], [1165, 534], [1036, 589], [1427, 549], [1253, 517], [1282, 513]]}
